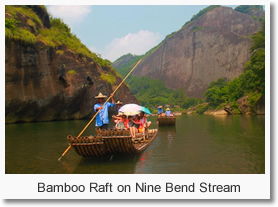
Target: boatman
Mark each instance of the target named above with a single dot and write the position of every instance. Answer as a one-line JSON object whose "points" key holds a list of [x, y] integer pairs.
{"points": [[102, 119], [160, 110], [119, 105]]}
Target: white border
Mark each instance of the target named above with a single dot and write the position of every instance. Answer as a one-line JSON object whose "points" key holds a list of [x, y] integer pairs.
{"points": [[26, 186], [254, 186]]}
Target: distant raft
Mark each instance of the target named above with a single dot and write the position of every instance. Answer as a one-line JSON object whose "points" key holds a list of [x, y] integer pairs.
{"points": [[166, 120], [112, 142]]}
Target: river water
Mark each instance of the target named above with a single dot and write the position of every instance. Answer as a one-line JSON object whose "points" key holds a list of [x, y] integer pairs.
{"points": [[198, 144]]}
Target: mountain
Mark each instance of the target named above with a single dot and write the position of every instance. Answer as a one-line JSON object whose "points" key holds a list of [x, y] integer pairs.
{"points": [[213, 45], [49, 73]]}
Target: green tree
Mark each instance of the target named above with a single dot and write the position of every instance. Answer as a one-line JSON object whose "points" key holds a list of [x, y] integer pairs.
{"points": [[246, 8], [217, 92], [251, 82], [189, 102], [254, 74]]}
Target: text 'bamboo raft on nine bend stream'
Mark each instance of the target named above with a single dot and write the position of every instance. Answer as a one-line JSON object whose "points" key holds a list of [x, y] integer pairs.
{"points": [[112, 142]]}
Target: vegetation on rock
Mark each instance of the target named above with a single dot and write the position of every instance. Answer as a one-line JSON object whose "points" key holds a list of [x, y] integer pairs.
{"points": [[24, 25], [250, 83]]}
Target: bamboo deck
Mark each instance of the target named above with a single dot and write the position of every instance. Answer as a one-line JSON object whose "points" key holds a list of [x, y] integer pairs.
{"points": [[111, 142]]}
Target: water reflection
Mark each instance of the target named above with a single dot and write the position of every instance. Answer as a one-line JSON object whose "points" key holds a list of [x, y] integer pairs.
{"points": [[141, 164], [112, 165], [155, 154], [169, 132]]}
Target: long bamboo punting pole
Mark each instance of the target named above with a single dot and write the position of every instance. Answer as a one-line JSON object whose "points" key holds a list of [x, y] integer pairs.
{"points": [[99, 110]]}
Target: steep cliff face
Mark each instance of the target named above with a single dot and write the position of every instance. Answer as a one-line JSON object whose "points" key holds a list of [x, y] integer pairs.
{"points": [[44, 83], [216, 45]]}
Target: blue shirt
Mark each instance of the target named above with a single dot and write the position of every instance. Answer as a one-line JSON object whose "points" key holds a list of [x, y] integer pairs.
{"points": [[168, 113], [102, 116], [160, 110], [119, 108]]}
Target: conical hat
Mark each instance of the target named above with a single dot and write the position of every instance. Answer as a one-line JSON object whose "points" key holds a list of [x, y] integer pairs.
{"points": [[100, 95], [118, 102]]}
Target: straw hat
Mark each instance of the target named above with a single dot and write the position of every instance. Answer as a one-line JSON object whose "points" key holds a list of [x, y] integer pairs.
{"points": [[120, 114], [167, 109], [120, 103], [100, 95], [160, 107]]}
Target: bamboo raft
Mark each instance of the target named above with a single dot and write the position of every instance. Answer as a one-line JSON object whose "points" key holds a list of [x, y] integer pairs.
{"points": [[166, 120], [111, 142]]}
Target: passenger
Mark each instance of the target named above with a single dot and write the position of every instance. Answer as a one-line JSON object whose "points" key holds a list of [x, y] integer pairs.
{"points": [[125, 121], [102, 119], [134, 123], [118, 121], [168, 112], [143, 122], [121, 121], [144, 125]]}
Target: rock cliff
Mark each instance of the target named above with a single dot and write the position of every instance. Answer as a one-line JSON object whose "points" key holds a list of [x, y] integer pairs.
{"points": [[216, 45], [45, 83]]}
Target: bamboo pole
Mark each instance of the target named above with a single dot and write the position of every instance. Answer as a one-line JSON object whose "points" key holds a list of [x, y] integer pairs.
{"points": [[99, 110]]}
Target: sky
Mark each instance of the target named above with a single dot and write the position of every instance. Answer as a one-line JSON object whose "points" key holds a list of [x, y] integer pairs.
{"points": [[115, 30]]}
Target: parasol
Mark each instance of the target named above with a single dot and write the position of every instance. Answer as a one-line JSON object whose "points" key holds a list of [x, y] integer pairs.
{"points": [[130, 109], [145, 110]]}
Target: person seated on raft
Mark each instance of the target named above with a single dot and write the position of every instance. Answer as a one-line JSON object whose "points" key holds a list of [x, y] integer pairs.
{"points": [[134, 123], [144, 124], [168, 112], [121, 121], [118, 120]]}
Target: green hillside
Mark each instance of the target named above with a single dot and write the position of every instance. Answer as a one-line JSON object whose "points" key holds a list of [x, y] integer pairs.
{"points": [[23, 24]]}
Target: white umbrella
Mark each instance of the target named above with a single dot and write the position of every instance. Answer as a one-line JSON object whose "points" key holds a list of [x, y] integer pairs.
{"points": [[130, 109]]}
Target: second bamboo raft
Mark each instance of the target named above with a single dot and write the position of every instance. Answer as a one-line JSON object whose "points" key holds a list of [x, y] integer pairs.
{"points": [[166, 120]]}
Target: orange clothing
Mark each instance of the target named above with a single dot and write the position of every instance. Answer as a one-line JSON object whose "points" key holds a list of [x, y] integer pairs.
{"points": [[143, 121], [126, 123]]}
